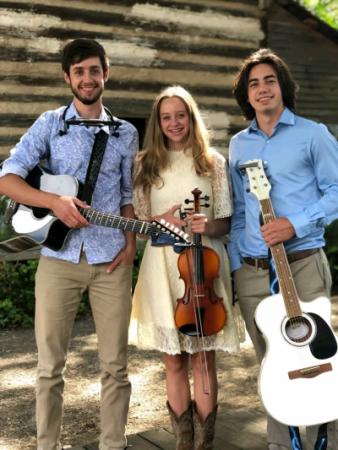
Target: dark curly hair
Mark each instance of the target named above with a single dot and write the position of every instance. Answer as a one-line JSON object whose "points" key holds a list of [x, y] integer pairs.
{"points": [[287, 84], [81, 49]]}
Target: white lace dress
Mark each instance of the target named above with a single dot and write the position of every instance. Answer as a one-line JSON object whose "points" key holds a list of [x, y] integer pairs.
{"points": [[158, 286]]}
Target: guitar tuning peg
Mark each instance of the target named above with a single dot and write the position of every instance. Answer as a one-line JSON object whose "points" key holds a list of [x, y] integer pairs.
{"points": [[187, 201], [206, 198]]}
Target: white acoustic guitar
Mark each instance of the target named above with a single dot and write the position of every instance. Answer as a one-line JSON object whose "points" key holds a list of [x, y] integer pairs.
{"points": [[298, 381], [38, 226]]}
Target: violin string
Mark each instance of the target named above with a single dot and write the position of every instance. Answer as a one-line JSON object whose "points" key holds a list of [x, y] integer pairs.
{"points": [[199, 291], [192, 266]]}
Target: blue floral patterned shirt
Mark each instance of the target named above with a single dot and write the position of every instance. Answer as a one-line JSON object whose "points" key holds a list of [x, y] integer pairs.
{"points": [[70, 154]]}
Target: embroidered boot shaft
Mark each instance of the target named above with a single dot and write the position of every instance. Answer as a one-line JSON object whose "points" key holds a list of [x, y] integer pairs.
{"points": [[204, 432], [183, 428]]}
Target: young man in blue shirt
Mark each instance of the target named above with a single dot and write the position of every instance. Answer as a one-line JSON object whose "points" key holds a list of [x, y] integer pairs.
{"points": [[300, 158], [95, 258]]}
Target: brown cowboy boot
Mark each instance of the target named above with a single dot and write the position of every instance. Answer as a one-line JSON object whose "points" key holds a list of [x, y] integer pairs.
{"points": [[183, 428], [204, 431]]}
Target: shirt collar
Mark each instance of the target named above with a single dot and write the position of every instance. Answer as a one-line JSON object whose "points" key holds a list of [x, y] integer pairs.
{"points": [[287, 118], [72, 114], [104, 116]]}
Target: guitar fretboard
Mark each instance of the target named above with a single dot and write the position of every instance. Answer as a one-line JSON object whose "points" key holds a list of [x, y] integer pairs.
{"points": [[283, 270], [113, 221]]}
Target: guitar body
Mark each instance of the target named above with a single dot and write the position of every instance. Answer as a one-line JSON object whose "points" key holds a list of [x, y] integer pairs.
{"points": [[38, 223], [298, 381], [38, 226]]}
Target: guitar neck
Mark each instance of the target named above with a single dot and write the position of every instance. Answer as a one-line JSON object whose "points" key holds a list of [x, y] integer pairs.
{"points": [[285, 279], [119, 222]]}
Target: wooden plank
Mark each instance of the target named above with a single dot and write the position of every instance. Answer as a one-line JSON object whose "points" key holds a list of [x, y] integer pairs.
{"points": [[235, 430], [160, 438], [241, 430], [139, 443]]}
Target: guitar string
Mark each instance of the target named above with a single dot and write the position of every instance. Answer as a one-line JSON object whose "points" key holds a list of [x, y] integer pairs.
{"points": [[287, 283], [198, 266], [283, 268], [198, 320], [289, 290], [125, 222]]}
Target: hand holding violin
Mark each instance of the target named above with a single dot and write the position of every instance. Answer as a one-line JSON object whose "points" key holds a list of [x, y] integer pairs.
{"points": [[198, 223], [213, 228]]}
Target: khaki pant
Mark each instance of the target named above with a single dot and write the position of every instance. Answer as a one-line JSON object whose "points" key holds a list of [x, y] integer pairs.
{"points": [[312, 279], [59, 285]]}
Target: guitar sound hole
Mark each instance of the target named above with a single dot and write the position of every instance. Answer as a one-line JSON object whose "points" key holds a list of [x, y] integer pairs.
{"points": [[298, 329]]}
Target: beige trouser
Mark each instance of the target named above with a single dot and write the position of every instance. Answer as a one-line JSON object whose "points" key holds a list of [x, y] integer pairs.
{"points": [[59, 285], [313, 279]]}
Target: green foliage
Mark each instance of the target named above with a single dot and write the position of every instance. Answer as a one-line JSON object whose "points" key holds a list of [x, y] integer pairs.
{"points": [[6, 230], [17, 293], [326, 10]]}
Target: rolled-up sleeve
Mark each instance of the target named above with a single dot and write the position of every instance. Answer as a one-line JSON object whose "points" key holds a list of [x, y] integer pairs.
{"points": [[32, 147]]}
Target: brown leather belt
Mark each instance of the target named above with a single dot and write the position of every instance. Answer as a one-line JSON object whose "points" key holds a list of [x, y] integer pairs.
{"points": [[263, 263]]}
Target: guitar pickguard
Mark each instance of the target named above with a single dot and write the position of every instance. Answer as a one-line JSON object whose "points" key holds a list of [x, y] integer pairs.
{"points": [[324, 345]]}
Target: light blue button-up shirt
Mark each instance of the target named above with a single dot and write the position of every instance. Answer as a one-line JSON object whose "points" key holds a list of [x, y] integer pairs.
{"points": [[70, 154], [301, 161]]}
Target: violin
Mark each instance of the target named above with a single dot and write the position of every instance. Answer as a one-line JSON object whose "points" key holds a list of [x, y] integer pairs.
{"points": [[200, 312]]}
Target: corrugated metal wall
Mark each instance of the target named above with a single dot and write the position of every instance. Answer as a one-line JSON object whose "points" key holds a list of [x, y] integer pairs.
{"points": [[196, 43]]}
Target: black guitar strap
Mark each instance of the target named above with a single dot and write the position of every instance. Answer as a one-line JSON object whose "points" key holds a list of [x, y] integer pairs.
{"points": [[93, 170]]}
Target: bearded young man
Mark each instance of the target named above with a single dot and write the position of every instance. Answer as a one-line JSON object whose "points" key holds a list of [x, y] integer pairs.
{"points": [[95, 258]]}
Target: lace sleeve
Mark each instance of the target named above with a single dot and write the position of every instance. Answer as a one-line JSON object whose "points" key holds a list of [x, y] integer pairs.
{"points": [[220, 187], [141, 203]]}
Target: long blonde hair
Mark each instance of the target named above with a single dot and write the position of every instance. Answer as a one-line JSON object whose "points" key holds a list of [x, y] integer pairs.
{"points": [[153, 158]]}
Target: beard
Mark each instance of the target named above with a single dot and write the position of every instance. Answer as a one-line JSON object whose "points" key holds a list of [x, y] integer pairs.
{"points": [[87, 100]]}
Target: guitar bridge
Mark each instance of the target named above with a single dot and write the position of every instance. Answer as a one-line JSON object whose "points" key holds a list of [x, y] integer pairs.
{"points": [[310, 372]]}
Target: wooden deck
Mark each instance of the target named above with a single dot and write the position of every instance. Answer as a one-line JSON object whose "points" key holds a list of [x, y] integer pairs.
{"points": [[240, 430]]}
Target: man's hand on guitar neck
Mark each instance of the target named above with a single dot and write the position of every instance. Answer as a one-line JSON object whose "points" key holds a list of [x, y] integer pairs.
{"points": [[65, 209], [277, 231]]}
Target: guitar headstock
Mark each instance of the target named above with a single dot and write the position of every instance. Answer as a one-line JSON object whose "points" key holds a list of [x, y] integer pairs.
{"points": [[165, 233], [259, 184]]}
